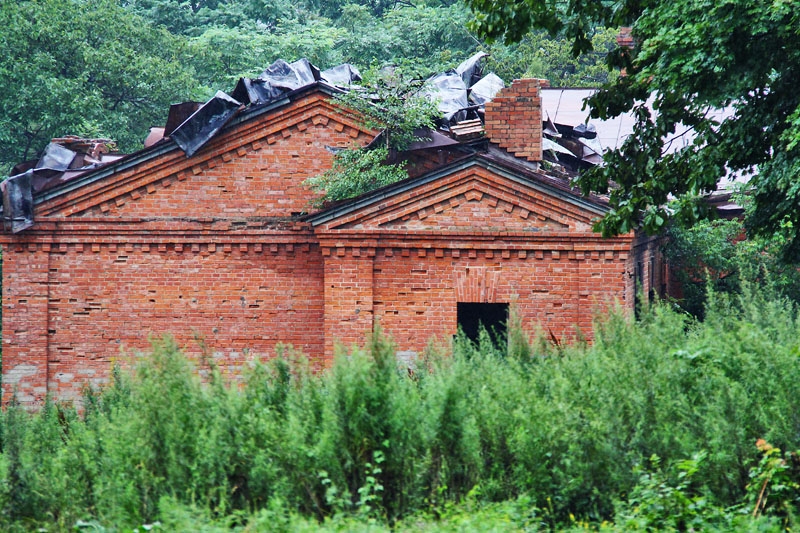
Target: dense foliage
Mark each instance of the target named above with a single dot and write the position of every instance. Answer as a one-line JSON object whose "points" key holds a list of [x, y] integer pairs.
{"points": [[538, 55], [654, 425], [715, 256], [688, 56], [393, 105], [82, 67], [354, 172], [112, 67]]}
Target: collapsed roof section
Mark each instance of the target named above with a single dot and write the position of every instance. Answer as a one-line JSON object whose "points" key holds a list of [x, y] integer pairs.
{"points": [[461, 95], [63, 159]]}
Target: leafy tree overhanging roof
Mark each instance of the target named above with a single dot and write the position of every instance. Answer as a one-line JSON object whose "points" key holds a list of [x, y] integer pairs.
{"points": [[688, 56]]}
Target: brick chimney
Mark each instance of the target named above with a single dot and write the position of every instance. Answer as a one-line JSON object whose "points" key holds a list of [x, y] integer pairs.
{"points": [[625, 38], [625, 41], [513, 118]]}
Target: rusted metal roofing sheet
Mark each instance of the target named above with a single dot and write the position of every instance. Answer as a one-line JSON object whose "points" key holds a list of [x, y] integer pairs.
{"points": [[204, 123], [178, 113]]}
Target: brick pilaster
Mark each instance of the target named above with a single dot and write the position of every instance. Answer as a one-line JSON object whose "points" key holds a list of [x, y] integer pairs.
{"points": [[25, 300]]}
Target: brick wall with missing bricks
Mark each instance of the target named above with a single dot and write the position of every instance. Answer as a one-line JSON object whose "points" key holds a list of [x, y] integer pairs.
{"points": [[513, 119], [471, 236], [206, 249]]}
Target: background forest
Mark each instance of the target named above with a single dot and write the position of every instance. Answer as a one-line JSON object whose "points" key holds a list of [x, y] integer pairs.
{"points": [[110, 68]]}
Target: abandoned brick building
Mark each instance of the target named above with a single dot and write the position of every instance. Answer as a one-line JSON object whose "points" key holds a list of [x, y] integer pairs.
{"points": [[213, 242]]}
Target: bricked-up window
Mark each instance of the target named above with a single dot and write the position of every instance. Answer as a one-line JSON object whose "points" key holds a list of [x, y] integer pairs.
{"points": [[492, 316]]}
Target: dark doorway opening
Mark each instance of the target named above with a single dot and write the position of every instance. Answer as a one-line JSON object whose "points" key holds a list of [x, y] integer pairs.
{"points": [[492, 316]]}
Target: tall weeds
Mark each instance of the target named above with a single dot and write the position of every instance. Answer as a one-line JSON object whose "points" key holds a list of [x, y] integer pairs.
{"points": [[569, 429]]}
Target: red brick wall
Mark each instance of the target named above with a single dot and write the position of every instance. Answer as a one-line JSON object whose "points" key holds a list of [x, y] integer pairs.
{"points": [[98, 304], [255, 169], [471, 236], [348, 297], [259, 179], [190, 247], [25, 300], [414, 292], [475, 197]]}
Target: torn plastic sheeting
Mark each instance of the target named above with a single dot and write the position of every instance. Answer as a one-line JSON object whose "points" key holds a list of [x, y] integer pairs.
{"points": [[285, 77], [18, 202], [449, 90], [343, 75], [592, 145], [276, 80], [486, 89], [294, 75], [470, 69], [56, 157], [204, 123], [255, 91]]}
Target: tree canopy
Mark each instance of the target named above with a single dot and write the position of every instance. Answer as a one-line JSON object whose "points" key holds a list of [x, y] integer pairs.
{"points": [[688, 56], [82, 67]]}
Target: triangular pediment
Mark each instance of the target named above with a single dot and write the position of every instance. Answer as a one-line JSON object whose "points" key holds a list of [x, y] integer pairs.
{"points": [[471, 199], [475, 201], [256, 167]]}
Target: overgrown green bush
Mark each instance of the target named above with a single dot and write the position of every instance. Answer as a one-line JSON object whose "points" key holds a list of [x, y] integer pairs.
{"points": [[393, 105], [530, 434], [714, 256]]}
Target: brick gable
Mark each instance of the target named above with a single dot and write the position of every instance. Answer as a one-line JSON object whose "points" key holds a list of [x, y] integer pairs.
{"points": [[245, 171], [476, 231], [469, 195], [455, 198]]}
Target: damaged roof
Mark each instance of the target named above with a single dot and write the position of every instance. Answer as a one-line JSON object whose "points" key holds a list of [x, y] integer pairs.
{"points": [[495, 159], [569, 143], [62, 160], [564, 109]]}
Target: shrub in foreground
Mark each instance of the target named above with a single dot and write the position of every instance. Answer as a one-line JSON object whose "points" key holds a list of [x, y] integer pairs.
{"points": [[652, 425]]}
